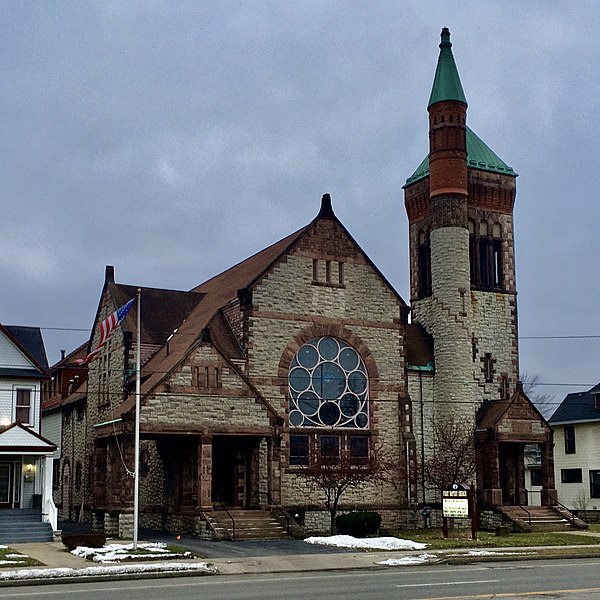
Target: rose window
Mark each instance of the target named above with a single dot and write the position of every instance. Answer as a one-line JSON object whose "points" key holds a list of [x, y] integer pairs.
{"points": [[328, 386]]}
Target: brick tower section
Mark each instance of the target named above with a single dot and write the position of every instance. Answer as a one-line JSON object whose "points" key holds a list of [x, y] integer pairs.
{"points": [[462, 264], [444, 308]]}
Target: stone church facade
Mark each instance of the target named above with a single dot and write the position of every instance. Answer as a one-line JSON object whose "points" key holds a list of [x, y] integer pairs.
{"points": [[304, 355]]}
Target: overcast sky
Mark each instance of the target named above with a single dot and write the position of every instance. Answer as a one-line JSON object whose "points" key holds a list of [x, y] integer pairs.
{"points": [[174, 139]]}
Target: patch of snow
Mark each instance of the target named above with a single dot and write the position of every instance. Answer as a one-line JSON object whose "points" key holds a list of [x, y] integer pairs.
{"points": [[119, 552], [104, 570], [408, 560], [11, 562], [21, 556], [382, 543]]}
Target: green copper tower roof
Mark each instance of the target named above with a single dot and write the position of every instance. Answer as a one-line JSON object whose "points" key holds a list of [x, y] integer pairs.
{"points": [[446, 83], [479, 156]]}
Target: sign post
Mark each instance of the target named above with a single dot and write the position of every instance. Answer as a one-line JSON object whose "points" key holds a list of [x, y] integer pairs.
{"points": [[458, 502]]}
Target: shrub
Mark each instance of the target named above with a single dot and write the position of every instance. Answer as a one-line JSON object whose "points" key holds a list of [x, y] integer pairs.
{"points": [[90, 540], [358, 524]]}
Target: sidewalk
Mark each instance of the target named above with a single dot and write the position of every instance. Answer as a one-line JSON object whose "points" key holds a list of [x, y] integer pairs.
{"points": [[54, 556]]}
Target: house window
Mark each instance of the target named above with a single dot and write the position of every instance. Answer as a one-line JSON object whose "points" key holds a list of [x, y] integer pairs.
{"points": [[597, 401], [23, 407], [536, 477], [144, 462], [330, 449], [569, 439], [328, 386], [299, 450], [595, 484], [571, 476]]}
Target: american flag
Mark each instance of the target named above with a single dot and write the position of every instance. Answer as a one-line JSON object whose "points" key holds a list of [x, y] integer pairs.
{"points": [[106, 328]]}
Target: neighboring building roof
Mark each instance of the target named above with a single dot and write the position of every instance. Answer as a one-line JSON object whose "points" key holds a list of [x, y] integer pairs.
{"points": [[29, 341], [479, 156], [162, 310], [419, 348], [579, 407], [446, 83]]}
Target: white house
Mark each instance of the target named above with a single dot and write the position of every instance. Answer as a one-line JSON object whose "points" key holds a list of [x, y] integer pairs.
{"points": [[576, 425], [25, 456]]}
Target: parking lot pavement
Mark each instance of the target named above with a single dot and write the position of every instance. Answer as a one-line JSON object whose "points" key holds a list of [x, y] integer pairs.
{"points": [[241, 548]]}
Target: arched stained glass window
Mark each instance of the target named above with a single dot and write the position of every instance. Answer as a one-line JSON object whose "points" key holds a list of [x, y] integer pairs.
{"points": [[328, 386]]}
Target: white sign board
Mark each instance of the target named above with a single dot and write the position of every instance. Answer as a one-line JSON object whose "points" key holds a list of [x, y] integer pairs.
{"points": [[455, 508]]}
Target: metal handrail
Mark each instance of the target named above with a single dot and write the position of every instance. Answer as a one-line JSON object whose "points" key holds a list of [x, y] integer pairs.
{"points": [[528, 513], [281, 511], [569, 513], [232, 519]]}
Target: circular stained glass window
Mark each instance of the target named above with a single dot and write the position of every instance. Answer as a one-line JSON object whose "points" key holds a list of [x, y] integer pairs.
{"points": [[328, 386]]}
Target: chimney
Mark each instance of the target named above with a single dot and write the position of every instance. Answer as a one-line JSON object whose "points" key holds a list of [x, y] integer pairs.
{"points": [[109, 274]]}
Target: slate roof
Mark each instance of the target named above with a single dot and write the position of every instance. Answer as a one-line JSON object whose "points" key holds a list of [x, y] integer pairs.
{"points": [[479, 156], [579, 407], [29, 341]]}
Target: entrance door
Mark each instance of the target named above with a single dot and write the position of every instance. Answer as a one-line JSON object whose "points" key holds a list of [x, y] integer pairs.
{"points": [[10, 477], [232, 470], [512, 473]]}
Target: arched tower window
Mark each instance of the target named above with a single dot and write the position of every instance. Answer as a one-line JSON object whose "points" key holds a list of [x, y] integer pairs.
{"points": [[424, 258], [328, 386]]}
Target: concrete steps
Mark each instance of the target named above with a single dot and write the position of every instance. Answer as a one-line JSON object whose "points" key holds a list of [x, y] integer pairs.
{"points": [[247, 524], [542, 518], [22, 526]]}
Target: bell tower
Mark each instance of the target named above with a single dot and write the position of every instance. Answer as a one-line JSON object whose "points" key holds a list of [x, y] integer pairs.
{"points": [[459, 204]]}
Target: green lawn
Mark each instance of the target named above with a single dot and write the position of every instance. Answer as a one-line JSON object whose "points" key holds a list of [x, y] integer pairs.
{"points": [[485, 539], [9, 559]]}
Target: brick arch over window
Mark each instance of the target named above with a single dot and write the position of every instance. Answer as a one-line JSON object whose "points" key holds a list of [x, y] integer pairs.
{"points": [[333, 330]]}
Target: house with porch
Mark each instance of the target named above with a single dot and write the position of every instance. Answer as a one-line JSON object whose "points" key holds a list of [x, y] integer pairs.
{"points": [[27, 511]]}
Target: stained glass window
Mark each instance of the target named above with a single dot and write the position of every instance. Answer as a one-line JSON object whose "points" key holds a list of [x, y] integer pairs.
{"points": [[328, 386]]}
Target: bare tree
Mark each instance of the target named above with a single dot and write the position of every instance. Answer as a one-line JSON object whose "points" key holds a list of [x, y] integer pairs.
{"points": [[335, 475], [544, 402], [454, 457]]}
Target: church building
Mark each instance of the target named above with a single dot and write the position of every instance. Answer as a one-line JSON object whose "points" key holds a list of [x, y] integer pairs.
{"points": [[304, 357]]}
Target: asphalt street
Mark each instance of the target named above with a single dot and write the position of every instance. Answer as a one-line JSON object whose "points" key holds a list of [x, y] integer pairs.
{"points": [[570, 579]]}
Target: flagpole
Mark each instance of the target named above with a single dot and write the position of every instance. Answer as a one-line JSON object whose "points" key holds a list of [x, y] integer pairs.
{"points": [[136, 485]]}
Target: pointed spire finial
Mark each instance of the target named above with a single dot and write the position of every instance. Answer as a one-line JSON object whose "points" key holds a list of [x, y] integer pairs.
{"points": [[326, 208], [446, 84]]}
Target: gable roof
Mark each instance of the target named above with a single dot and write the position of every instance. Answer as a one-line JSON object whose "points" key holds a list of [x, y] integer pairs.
{"points": [[491, 412], [579, 407], [28, 341], [218, 292], [16, 438]]}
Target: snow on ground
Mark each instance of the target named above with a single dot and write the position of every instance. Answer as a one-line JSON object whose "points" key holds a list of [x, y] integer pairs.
{"points": [[408, 560], [104, 570], [381, 543], [122, 552]]}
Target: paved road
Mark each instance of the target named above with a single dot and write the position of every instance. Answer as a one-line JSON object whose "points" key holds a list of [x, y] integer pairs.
{"points": [[568, 579]]}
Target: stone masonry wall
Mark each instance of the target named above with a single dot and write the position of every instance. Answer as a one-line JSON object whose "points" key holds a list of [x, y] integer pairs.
{"points": [[294, 302]]}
